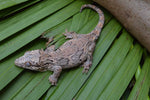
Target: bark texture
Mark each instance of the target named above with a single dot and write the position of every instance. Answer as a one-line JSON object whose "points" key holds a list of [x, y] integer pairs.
{"points": [[134, 15]]}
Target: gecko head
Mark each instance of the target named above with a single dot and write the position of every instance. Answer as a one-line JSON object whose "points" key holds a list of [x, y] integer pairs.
{"points": [[30, 60]]}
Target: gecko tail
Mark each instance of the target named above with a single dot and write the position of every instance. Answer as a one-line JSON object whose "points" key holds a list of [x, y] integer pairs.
{"points": [[97, 30]]}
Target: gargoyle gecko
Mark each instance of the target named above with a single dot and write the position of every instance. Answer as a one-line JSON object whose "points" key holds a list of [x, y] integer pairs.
{"points": [[74, 52]]}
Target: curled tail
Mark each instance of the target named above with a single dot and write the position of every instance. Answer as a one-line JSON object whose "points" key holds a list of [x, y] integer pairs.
{"points": [[97, 30]]}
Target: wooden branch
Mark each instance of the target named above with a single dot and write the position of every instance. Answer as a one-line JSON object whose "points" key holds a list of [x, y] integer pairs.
{"points": [[134, 15]]}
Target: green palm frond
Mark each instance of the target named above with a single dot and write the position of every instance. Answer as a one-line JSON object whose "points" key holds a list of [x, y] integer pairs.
{"points": [[116, 59], [8, 3]]}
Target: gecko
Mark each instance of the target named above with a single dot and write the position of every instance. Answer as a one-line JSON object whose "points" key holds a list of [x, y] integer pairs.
{"points": [[77, 51]]}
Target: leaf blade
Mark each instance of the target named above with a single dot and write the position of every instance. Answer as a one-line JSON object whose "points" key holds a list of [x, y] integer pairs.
{"points": [[8, 3], [28, 17], [141, 88], [120, 81]]}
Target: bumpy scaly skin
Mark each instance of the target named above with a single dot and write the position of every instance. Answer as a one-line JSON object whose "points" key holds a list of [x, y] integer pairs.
{"points": [[76, 51]]}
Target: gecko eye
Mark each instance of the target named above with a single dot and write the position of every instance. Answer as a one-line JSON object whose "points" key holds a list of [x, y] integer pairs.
{"points": [[28, 64]]}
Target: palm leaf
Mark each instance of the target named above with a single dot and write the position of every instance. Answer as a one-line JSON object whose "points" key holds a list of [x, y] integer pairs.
{"points": [[9, 3], [115, 60], [27, 17], [141, 88], [13, 9]]}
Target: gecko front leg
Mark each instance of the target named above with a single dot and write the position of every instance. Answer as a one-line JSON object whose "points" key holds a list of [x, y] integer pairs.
{"points": [[56, 73], [49, 41], [88, 63], [50, 49]]}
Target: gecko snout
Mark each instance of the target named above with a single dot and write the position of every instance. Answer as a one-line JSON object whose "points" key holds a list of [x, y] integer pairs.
{"points": [[16, 62]]}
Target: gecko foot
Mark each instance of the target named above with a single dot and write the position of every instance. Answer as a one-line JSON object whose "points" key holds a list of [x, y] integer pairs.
{"points": [[49, 41], [87, 66], [85, 70], [53, 80], [68, 35]]}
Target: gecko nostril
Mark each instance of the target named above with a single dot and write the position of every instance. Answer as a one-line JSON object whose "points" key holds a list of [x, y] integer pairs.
{"points": [[16, 62]]}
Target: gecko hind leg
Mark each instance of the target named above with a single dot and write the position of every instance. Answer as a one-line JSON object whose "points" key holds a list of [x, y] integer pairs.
{"points": [[70, 35], [56, 73], [87, 64]]}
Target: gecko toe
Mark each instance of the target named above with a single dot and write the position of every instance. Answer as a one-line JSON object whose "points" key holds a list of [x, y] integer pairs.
{"points": [[52, 80], [85, 70]]}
